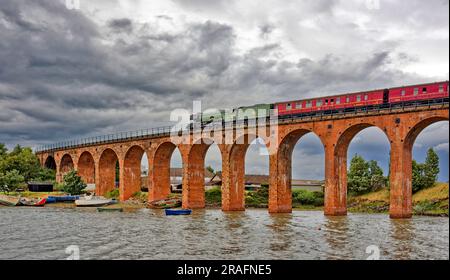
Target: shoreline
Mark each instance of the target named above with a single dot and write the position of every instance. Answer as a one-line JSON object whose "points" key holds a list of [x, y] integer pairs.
{"points": [[127, 206]]}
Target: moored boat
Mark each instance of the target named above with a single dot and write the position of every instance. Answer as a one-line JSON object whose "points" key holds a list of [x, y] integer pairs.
{"points": [[165, 203], [108, 209], [32, 201], [8, 200], [172, 212], [62, 198], [93, 201]]}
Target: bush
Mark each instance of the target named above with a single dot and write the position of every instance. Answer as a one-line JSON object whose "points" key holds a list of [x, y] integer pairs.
{"points": [[58, 186], [423, 207], [213, 196], [305, 197], [73, 183], [113, 194], [11, 181], [259, 197]]}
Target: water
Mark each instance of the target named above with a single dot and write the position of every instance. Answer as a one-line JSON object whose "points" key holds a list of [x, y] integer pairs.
{"points": [[45, 233]]}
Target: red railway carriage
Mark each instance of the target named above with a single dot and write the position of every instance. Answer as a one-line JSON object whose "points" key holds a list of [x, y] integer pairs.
{"points": [[419, 92], [367, 99]]}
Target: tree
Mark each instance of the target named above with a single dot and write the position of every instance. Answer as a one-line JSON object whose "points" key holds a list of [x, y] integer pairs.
{"points": [[3, 150], [358, 176], [424, 175], [431, 168], [73, 184], [418, 182], [210, 169], [377, 180], [11, 181], [23, 160], [45, 175]]}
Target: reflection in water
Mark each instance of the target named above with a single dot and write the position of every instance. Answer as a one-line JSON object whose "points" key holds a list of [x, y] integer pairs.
{"points": [[281, 238], [402, 232], [213, 234], [336, 235]]}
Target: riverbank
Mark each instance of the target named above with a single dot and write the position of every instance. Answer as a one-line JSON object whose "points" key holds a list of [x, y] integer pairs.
{"points": [[433, 201]]}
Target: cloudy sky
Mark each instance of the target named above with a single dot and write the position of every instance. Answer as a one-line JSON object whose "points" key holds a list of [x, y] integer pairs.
{"points": [[69, 71]]}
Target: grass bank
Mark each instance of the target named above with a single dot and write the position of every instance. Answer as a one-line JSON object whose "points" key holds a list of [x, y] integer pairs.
{"points": [[432, 201]]}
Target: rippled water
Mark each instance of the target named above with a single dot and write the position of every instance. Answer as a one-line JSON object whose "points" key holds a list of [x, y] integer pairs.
{"points": [[44, 233]]}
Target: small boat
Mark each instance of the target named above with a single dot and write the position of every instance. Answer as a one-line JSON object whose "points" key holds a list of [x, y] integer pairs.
{"points": [[50, 199], [92, 201], [62, 198], [165, 203], [8, 200], [172, 212], [32, 201], [107, 209]]}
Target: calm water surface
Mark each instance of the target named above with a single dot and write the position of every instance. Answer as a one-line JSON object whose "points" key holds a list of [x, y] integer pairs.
{"points": [[44, 233]]}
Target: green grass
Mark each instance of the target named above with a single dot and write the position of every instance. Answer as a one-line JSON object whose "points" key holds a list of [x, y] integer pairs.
{"points": [[113, 194], [430, 201], [213, 197]]}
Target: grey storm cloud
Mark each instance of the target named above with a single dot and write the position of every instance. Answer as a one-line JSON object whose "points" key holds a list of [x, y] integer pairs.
{"points": [[123, 23], [64, 74]]}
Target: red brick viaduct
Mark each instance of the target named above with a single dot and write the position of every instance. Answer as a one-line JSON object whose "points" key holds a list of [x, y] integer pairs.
{"points": [[96, 162]]}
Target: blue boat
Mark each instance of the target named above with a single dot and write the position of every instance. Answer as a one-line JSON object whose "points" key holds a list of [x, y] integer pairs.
{"points": [[64, 198], [172, 212]]}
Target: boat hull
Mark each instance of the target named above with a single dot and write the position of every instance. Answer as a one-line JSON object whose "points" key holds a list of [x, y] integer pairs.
{"points": [[7, 200], [65, 198], [92, 202], [33, 202], [104, 209], [176, 212], [165, 203]]}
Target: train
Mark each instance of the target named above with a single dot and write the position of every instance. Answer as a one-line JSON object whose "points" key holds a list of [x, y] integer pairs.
{"points": [[428, 93]]}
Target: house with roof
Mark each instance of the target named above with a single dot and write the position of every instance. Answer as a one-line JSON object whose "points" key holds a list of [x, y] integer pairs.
{"points": [[253, 182], [176, 179]]}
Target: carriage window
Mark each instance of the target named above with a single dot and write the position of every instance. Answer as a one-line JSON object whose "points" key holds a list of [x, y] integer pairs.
{"points": [[347, 99], [416, 91], [308, 104], [326, 101], [298, 105], [403, 92], [319, 103], [289, 106], [441, 88], [358, 98], [424, 90], [366, 97], [338, 100]]}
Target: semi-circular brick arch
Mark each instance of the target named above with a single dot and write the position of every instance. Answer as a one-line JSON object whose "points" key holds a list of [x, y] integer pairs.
{"points": [[280, 192], [66, 165], [50, 162], [86, 167], [132, 172], [159, 171], [107, 171]]}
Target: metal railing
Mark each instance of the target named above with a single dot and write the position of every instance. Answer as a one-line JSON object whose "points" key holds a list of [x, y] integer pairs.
{"points": [[167, 130]]}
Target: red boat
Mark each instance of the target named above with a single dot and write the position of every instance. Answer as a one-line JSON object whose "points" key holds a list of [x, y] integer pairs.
{"points": [[32, 201]]}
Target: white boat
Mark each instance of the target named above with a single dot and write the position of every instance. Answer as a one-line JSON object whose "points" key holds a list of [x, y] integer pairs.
{"points": [[92, 201]]}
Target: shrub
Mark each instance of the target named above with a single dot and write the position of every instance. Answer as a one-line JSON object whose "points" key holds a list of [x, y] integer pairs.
{"points": [[305, 197], [11, 181], [424, 206], [113, 194], [213, 195], [73, 183]]}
